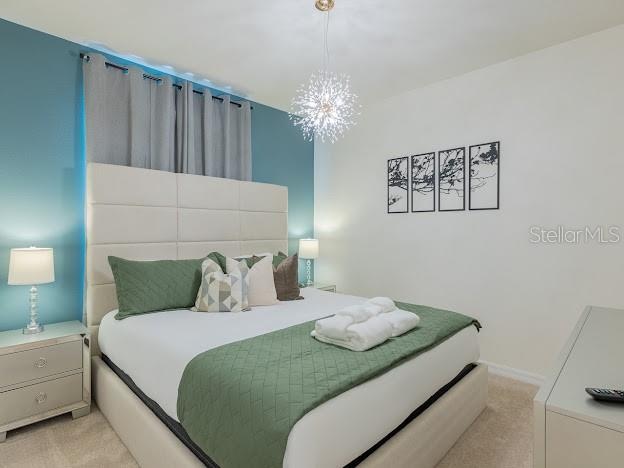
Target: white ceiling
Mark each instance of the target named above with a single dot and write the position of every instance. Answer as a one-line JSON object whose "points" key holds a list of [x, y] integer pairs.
{"points": [[264, 49]]}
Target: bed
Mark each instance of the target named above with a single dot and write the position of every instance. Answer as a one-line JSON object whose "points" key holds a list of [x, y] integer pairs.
{"points": [[146, 215]]}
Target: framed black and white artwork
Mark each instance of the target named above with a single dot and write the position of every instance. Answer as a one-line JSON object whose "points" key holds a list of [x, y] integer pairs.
{"points": [[423, 182], [452, 179], [484, 176], [397, 185]]}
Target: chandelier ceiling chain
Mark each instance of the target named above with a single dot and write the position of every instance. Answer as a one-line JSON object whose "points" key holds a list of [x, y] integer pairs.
{"points": [[326, 43], [324, 107]]}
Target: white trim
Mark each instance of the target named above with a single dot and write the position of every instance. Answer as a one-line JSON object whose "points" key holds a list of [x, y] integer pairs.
{"points": [[513, 373]]}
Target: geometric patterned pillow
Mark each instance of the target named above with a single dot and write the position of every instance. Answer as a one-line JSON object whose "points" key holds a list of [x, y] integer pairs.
{"points": [[219, 292]]}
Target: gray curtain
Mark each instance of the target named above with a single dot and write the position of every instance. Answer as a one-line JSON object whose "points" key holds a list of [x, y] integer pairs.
{"points": [[136, 121]]}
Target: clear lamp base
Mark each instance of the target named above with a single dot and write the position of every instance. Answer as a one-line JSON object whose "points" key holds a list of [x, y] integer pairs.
{"points": [[32, 329], [33, 326]]}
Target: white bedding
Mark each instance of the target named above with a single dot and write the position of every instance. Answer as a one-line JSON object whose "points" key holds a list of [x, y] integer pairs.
{"points": [[153, 349]]}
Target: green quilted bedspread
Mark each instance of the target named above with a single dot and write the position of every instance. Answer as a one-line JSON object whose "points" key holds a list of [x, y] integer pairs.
{"points": [[239, 402]]}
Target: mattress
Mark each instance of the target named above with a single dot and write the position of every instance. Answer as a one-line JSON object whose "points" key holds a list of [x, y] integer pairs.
{"points": [[153, 350]]}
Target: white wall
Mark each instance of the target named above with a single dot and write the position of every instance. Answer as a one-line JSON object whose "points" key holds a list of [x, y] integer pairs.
{"points": [[558, 113]]}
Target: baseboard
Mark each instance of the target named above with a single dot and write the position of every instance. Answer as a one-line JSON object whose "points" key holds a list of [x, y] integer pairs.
{"points": [[516, 374]]}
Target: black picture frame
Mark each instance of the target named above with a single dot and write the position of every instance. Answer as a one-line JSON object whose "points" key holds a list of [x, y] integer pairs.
{"points": [[426, 182], [398, 180], [448, 173], [477, 180]]}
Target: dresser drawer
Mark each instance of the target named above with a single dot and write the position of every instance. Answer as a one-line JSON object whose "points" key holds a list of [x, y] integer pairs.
{"points": [[42, 362], [39, 398]]}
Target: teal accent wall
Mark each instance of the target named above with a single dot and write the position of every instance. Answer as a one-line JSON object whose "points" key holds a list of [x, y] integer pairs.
{"points": [[42, 168], [281, 156]]}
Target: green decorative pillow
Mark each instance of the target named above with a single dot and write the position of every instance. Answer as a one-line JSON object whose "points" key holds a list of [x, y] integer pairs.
{"points": [[251, 261], [248, 260], [279, 258], [144, 287], [219, 259]]}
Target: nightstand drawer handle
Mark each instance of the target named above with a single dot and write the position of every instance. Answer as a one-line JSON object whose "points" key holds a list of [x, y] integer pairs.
{"points": [[41, 363], [41, 398]]}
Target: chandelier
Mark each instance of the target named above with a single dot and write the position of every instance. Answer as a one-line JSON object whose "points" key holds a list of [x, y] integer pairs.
{"points": [[325, 106]]}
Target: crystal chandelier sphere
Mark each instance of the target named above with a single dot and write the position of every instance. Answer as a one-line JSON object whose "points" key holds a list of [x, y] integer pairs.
{"points": [[324, 107]]}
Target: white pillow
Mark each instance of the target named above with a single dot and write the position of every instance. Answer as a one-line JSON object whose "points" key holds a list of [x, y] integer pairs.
{"points": [[261, 283]]}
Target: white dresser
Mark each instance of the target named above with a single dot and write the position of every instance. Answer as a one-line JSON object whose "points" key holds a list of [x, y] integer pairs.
{"points": [[44, 375], [571, 429]]}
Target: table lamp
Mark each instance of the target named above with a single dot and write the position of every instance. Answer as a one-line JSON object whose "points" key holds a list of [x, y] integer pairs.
{"points": [[31, 266], [308, 250]]}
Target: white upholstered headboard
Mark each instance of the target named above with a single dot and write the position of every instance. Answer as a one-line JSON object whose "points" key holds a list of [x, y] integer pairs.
{"points": [[143, 214]]}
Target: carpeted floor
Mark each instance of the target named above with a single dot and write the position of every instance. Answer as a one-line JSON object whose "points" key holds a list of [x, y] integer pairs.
{"points": [[87, 442], [500, 438]]}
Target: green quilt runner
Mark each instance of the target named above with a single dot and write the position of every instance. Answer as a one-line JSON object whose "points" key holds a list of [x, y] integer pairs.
{"points": [[239, 402]]}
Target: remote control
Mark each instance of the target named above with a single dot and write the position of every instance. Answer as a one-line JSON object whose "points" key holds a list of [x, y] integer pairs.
{"points": [[605, 394]]}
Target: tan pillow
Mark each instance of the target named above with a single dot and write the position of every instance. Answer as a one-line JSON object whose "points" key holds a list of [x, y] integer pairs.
{"points": [[286, 276], [261, 286]]}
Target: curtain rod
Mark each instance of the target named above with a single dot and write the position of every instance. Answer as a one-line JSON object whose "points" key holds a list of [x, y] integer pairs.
{"points": [[154, 78]]}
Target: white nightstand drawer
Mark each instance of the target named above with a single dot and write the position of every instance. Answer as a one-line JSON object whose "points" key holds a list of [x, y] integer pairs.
{"points": [[35, 399], [41, 362]]}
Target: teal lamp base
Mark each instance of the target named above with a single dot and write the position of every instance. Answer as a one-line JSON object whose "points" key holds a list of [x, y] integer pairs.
{"points": [[309, 273]]}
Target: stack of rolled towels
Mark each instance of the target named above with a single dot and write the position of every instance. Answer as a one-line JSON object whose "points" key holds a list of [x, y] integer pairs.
{"points": [[361, 327]]}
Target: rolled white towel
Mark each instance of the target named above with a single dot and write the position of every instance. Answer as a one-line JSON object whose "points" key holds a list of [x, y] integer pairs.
{"points": [[365, 335], [401, 321], [362, 341], [334, 327], [361, 336], [386, 304], [360, 313], [324, 339]]}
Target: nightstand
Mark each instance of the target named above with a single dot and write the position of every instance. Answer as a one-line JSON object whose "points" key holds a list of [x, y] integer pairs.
{"points": [[323, 286], [44, 375]]}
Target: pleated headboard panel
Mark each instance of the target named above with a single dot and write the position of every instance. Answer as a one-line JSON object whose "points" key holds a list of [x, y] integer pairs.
{"points": [[143, 214]]}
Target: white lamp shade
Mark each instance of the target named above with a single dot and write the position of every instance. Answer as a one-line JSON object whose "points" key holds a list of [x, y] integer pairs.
{"points": [[31, 266], [308, 248]]}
